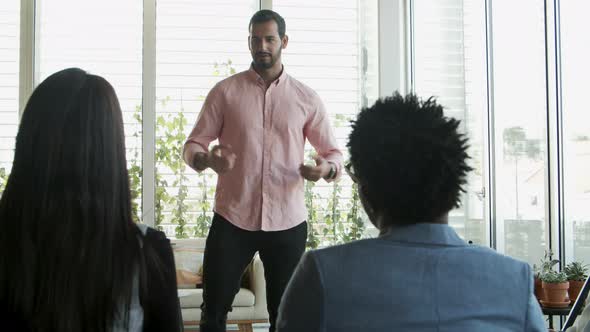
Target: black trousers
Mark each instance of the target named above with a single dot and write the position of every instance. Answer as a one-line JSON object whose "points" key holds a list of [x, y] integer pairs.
{"points": [[229, 250]]}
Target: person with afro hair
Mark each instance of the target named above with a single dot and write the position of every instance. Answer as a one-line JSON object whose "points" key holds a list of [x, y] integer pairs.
{"points": [[410, 164]]}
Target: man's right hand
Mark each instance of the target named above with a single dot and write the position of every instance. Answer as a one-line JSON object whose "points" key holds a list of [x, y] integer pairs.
{"points": [[221, 159]]}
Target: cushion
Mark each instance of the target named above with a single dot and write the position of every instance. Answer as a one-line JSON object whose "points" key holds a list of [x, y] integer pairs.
{"points": [[188, 258], [193, 298]]}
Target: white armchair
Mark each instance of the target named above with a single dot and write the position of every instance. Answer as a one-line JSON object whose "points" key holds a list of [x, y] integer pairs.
{"points": [[249, 305]]}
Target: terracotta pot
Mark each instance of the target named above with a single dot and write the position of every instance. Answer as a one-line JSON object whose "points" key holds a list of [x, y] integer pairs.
{"points": [[556, 292], [539, 294], [575, 288]]}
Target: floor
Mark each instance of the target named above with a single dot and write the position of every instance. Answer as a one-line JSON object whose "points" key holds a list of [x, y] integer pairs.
{"points": [[257, 327]]}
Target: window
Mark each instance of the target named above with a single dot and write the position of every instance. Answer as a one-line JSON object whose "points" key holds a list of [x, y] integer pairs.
{"points": [[198, 44], [480, 75], [9, 81], [451, 50], [575, 71], [103, 38], [520, 115], [450, 64], [333, 48]]}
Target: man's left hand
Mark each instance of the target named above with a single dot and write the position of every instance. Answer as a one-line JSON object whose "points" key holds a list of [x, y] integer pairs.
{"points": [[313, 173]]}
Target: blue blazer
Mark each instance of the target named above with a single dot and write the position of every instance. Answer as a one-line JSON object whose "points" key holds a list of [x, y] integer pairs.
{"points": [[417, 278]]}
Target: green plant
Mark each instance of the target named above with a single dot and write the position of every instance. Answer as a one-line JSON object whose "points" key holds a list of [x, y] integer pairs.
{"points": [[313, 240], [554, 277], [135, 171], [340, 220], [353, 218], [203, 223], [169, 143], [347, 225], [547, 264], [3, 179], [332, 216], [576, 271], [224, 69], [135, 178]]}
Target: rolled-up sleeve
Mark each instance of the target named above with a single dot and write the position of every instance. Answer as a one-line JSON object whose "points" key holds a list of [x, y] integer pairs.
{"points": [[208, 125], [321, 136]]}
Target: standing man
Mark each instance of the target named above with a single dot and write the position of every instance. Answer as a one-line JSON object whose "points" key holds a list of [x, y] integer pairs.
{"points": [[262, 118]]}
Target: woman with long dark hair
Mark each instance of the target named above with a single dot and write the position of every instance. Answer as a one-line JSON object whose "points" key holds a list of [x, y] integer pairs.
{"points": [[71, 257]]}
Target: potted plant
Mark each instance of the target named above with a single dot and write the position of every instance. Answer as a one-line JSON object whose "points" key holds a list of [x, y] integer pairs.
{"points": [[538, 284], [555, 286], [576, 276], [546, 265]]}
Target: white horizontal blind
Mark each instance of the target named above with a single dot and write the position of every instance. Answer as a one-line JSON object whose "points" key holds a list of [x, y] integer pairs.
{"points": [[333, 48], [449, 64], [9, 80], [520, 125], [198, 43], [105, 38]]}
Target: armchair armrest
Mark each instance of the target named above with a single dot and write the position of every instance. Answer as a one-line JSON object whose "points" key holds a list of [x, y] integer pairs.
{"points": [[258, 287]]}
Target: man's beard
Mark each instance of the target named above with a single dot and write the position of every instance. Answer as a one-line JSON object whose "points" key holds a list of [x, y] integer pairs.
{"points": [[266, 64]]}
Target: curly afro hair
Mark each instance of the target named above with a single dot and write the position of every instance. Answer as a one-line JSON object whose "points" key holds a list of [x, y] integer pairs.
{"points": [[410, 158]]}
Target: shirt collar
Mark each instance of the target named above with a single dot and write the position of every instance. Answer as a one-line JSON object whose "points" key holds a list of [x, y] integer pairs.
{"points": [[425, 233], [254, 75]]}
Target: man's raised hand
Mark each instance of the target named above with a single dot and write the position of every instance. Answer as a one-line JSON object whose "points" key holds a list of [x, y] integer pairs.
{"points": [[221, 159], [313, 173]]}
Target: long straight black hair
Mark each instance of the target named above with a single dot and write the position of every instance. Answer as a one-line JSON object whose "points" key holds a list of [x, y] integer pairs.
{"points": [[68, 244]]}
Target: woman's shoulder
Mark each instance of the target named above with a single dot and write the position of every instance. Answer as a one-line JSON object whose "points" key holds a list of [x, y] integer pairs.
{"points": [[154, 238], [152, 233]]}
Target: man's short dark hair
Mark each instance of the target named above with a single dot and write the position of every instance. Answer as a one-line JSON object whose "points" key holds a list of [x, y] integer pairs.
{"points": [[266, 15], [410, 157]]}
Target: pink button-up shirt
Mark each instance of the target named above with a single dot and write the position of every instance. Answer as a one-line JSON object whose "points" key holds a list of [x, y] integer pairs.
{"points": [[266, 129]]}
